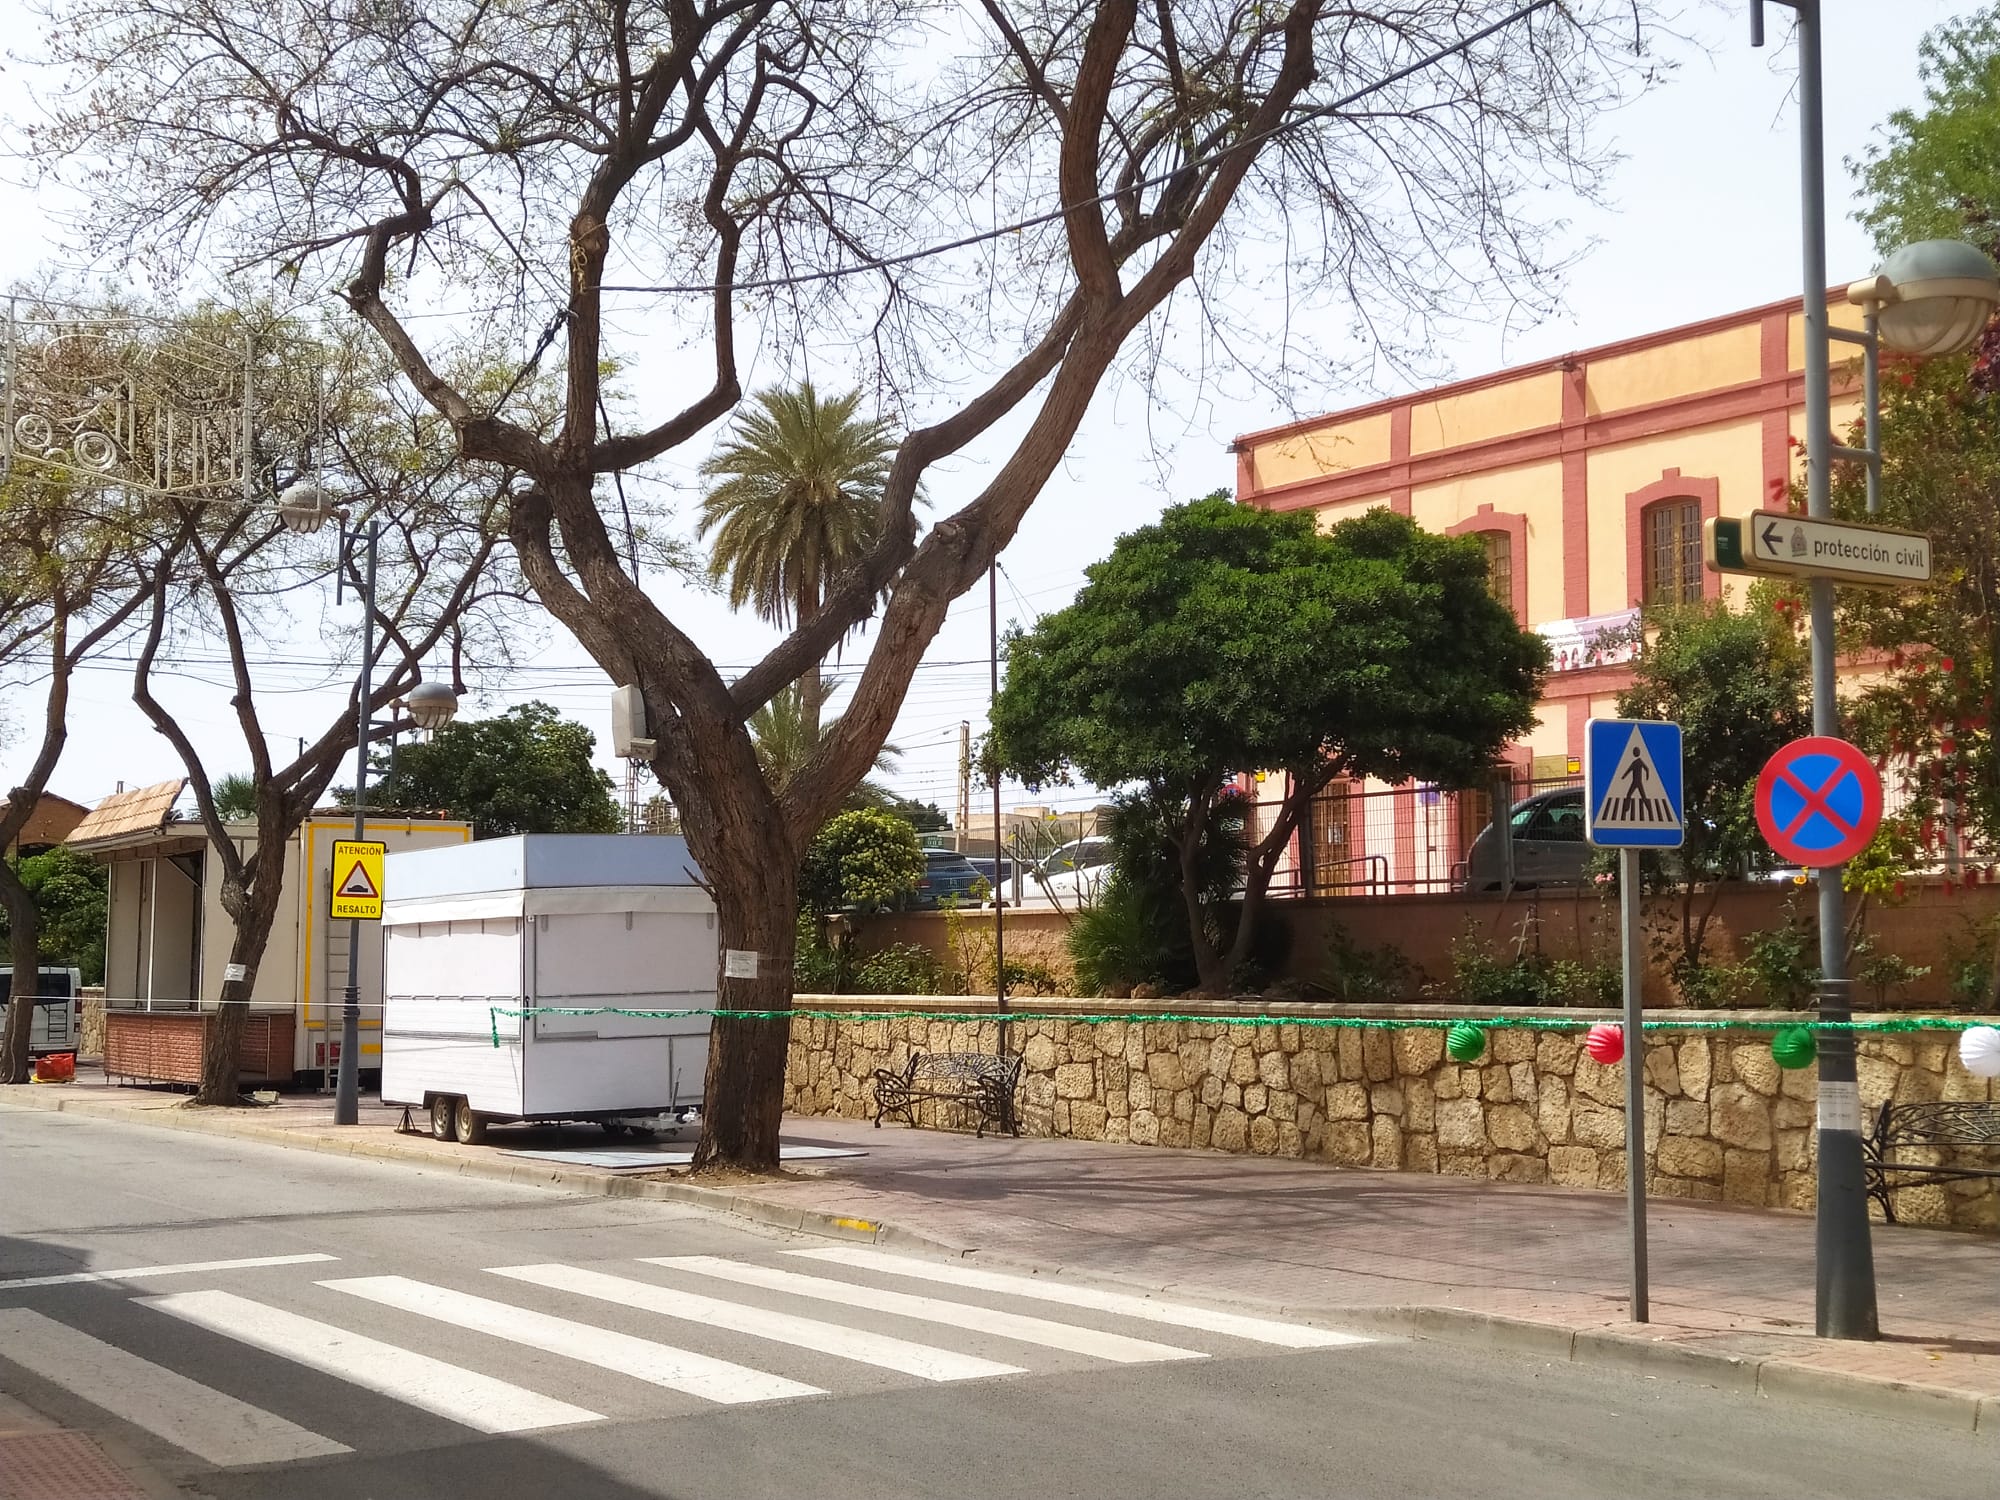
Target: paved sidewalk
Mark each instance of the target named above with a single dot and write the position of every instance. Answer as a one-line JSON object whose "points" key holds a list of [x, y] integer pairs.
{"points": [[1540, 1268]]}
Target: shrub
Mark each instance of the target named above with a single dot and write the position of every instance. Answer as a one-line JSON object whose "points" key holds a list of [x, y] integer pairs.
{"points": [[865, 860], [1121, 942], [1357, 975], [899, 969]]}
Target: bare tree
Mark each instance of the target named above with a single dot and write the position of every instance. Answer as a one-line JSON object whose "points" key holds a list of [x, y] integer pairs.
{"points": [[985, 205]]}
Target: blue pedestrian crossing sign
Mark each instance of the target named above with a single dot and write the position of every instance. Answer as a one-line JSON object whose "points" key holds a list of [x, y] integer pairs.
{"points": [[1632, 782]]}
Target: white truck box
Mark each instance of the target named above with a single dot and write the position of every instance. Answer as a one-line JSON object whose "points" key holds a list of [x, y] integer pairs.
{"points": [[564, 921]]}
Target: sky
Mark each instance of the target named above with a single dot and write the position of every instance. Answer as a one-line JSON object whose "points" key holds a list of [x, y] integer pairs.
{"points": [[1703, 219]]}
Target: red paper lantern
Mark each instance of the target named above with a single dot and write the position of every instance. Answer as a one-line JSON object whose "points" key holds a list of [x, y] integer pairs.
{"points": [[1605, 1042]]}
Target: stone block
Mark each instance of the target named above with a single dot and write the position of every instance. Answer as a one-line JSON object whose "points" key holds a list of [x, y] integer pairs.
{"points": [[1211, 1090], [1272, 1072], [1282, 1105], [1039, 1089], [1290, 1142], [1418, 1050], [1753, 1065], [1746, 1176], [1110, 1038], [1511, 1128], [1176, 1133], [1595, 1081], [1349, 1052], [1521, 1080], [1552, 1111], [1573, 1166], [1038, 1055], [1231, 1131], [1512, 1044], [1139, 1089], [1611, 1171], [1184, 1105], [1468, 1083], [1933, 1055], [1597, 1125], [1348, 1143], [1795, 1150], [1163, 1071], [1420, 1153], [1788, 1113], [1232, 1095], [1495, 1086], [1689, 1156], [1511, 1167], [1386, 1099], [1288, 1038], [1304, 1068], [1555, 1054], [1462, 1163], [1686, 1117], [1917, 1086], [1378, 1058], [1242, 1066], [1264, 1136], [1797, 1191], [1695, 1067], [1739, 1116], [1388, 1139], [1445, 1084], [1144, 1127], [1075, 1081], [1254, 1099], [1878, 1077], [1347, 1101], [1663, 1071], [1419, 1105], [1961, 1087], [1204, 1121], [1800, 1083], [1059, 1121], [1461, 1124]]}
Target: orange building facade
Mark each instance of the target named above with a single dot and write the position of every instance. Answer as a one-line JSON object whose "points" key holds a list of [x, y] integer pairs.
{"points": [[1588, 478]]}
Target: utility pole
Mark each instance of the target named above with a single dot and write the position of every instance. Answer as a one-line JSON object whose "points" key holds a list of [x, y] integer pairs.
{"points": [[964, 819], [1844, 1303], [347, 1091], [999, 905]]}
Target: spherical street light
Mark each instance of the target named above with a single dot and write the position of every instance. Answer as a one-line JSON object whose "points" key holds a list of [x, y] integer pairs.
{"points": [[304, 507], [1933, 297], [431, 704]]}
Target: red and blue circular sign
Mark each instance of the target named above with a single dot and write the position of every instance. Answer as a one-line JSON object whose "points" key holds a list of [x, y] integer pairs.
{"points": [[1819, 801]]}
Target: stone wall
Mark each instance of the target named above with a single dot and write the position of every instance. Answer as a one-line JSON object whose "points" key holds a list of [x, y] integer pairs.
{"points": [[1723, 1121]]}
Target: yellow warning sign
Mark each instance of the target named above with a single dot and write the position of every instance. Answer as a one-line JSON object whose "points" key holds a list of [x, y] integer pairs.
{"points": [[357, 879]]}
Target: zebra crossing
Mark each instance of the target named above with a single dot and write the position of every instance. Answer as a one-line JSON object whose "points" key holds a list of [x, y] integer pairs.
{"points": [[253, 1373]]}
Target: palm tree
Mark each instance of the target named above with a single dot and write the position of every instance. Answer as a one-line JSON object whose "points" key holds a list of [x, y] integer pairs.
{"points": [[784, 740], [794, 505]]}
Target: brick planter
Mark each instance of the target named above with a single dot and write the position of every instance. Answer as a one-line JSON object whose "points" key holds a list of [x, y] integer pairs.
{"points": [[166, 1046]]}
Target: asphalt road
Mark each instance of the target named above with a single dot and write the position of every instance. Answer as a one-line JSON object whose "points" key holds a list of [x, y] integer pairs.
{"points": [[455, 1338]]}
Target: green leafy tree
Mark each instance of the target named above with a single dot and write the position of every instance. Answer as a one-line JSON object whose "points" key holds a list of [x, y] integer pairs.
{"points": [[235, 797], [1225, 639], [528, 770], [794, 504], [1934, 173], [785, 734], [865, 860], [68, 890], [1736, 683]]}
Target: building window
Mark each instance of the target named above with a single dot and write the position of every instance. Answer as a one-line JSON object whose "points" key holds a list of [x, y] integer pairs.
{"points": [[1673, 551], [1499, 565]]}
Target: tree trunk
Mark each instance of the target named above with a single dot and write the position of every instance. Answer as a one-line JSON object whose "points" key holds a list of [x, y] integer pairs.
{"points": [[24, 943], [222, 1052], [743, 1100]]}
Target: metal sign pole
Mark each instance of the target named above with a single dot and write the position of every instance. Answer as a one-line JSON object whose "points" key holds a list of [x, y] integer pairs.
{"points": [[1635, 1075]]}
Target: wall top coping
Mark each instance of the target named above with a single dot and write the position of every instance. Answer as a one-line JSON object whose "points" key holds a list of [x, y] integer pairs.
{"points": [[981, 1007]]}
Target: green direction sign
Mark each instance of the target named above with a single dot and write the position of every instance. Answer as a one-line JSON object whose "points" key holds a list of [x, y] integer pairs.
{"points": [[1778, 543]]}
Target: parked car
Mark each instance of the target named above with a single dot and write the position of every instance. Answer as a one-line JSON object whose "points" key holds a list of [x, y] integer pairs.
{"points": [[1072, 875], [950, 878], [997, 878], [1549, 846]]}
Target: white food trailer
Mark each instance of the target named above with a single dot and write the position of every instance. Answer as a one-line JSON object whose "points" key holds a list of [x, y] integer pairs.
{"points": [[580, 922]]}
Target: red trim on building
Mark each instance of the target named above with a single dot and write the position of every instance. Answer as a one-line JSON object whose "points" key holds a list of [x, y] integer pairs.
{"points": [[1671, 485], [1514, 526], [1579, 715], [1774, 355], [1399, 460]]}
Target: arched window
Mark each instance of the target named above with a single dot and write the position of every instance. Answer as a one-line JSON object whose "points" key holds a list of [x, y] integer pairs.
{"points": [[1671, 536], [1504, 535], [1499, 565]]}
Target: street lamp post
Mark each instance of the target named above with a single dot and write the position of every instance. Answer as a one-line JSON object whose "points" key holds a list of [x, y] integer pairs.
{"points": [[1931, 298], [304, 508]]}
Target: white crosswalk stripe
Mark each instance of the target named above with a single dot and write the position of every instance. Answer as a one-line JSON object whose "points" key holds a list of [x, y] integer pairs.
{"points": [[1124, 1304], [464, 1396], [920, 1360], [184, 1412], [1115, 1347], [661, 1364]]}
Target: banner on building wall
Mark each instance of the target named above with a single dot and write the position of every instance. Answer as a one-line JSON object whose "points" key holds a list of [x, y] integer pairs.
{"points": [[1590, 640]]}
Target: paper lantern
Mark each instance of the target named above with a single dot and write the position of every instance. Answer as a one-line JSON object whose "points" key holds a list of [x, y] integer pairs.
{"points": [[1605, 1042], [1978, 1049], [1464, 1041], [1794, 1047]]}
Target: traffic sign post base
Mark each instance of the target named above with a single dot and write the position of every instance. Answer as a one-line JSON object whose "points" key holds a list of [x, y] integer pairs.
{"points": [[1844, 1302]]}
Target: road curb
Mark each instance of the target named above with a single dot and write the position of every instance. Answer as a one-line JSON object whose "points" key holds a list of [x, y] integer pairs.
{"points": [[1773, 1376], [494, 1169]]}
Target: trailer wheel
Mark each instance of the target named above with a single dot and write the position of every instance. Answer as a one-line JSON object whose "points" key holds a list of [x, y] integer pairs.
{"points": [[612, 1128], [467, 1126], [441, 1117]]}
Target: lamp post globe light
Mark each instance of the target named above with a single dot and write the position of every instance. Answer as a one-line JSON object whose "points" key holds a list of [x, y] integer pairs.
{"points": [[1933, 297], [431, 705], [303, 507]]}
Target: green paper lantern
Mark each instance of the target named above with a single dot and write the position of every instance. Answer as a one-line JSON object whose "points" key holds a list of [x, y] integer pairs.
{"points": [[1794, 1047], [1464, 1042]]}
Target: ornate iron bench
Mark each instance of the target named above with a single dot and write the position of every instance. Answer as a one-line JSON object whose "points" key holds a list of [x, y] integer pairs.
{"points": [[974, 1078], [1933, 1126]]}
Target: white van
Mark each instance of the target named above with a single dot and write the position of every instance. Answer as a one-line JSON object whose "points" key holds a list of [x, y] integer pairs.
{"points": [[58, 1009]]}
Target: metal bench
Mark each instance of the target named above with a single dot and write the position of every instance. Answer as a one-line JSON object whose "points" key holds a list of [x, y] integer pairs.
{"points": [[985, 1083], [1933, 1126]]}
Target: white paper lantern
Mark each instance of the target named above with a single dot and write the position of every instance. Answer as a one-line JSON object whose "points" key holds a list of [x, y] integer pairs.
{"points": [[1979, 1050]]}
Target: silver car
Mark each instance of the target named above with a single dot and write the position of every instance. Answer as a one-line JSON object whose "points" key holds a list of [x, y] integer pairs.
{"points": [[1549, 846]]}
